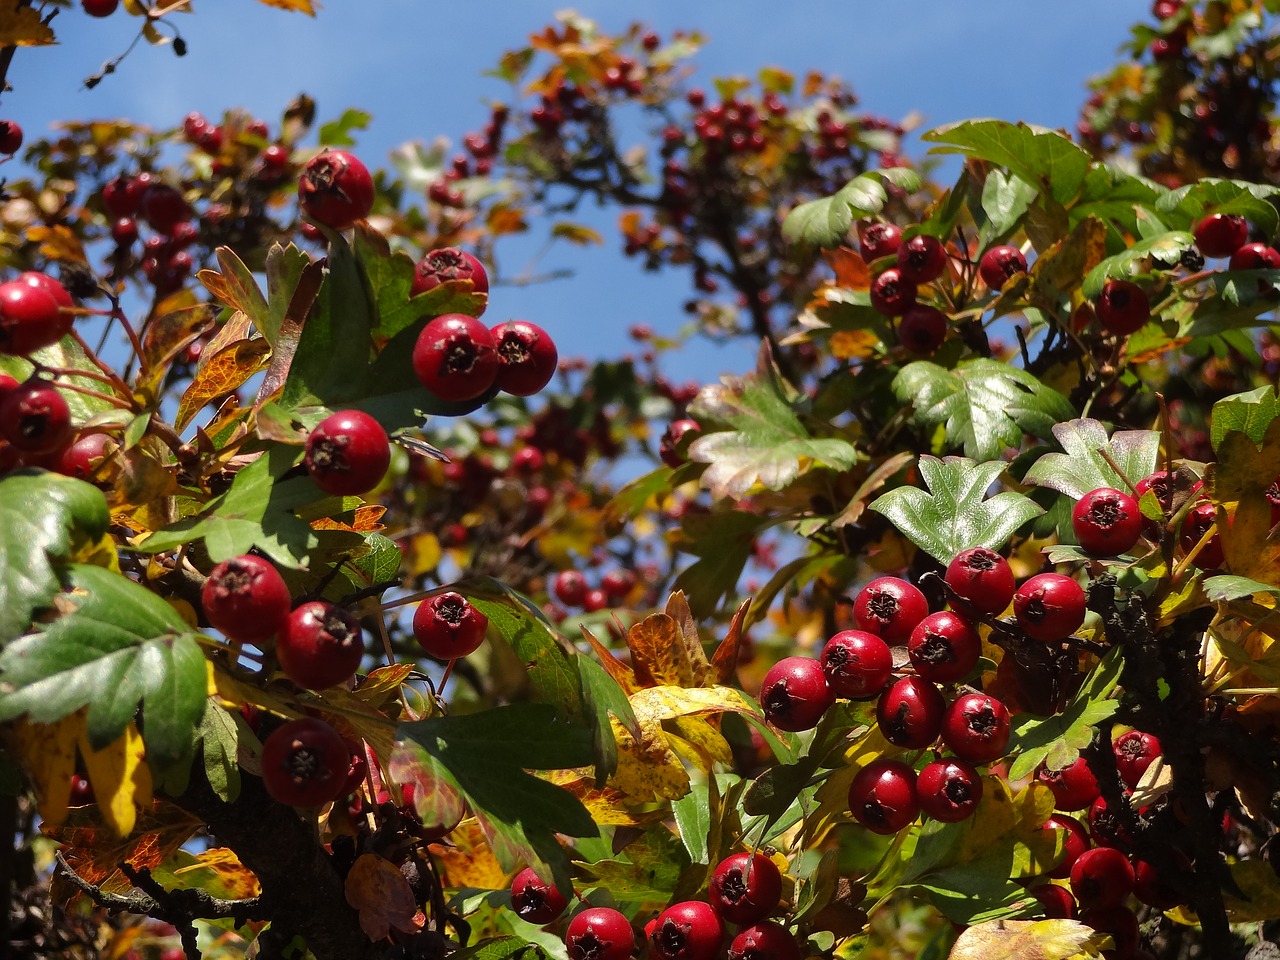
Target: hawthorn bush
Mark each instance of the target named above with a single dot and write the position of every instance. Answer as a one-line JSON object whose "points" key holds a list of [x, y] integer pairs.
{"points": [[338, 619]]}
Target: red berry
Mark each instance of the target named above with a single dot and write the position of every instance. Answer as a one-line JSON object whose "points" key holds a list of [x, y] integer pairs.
{"points": [[618, 584], [527, 357], [335, 189], [1000, 264], [100, 8], [1101, 877], [357, 768], [944, 647], [1057, 901], [456, 357], [689, 930], [347, 453], [449, 265], [1074, 786], [35, 418], [535, 900], [1200, 520], [1107, 522], [910, 713], [891, 293], [1164, 9], [745, 888], [448, 626], [769, 940], [982, 579], [1049, 607], [921, 259], [50, 286], [1135, 751], [948, 790], [599, 933], [124, 231], [1122, 307], [81, 791], [320, 645], [795, 694], [857, 664], [1221, 234], [882, 796], [305, 763], [922, 328], [976, 728], [890, 608], [1074, 843], [570, 587], [879, 240], [1109, 826], [246, 599], [1255, 256], [82, 458], [30, 316], [10, 137], [1118, 921], [595, 599], [673, 438], [164, 207]]}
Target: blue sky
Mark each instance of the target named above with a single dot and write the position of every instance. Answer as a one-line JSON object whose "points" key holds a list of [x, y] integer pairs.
{"points": [[417, 67]]}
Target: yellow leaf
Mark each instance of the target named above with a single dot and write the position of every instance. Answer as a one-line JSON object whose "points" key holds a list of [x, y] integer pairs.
{"points": [[852, 344], [606, 806], [664, 651], [379, 891], [647, 770], [223, 373], [232, 878], [466, 860], [1029, 940], [1258, 882], [47, 752], [654, 704], [120, 777], [58, 242], [577, 233], [301, 6], [424, 552], [21, 26], [1003, 818]]}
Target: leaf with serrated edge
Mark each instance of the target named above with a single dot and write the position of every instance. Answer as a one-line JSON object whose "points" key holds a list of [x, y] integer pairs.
{"points": [[826, 221], [1029, 940], [1040, 156], [1249, 413], [1082, 468]]}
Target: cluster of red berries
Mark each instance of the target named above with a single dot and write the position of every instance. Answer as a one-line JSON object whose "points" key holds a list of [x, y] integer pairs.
{"points": [[481, 146], [571, 588]]}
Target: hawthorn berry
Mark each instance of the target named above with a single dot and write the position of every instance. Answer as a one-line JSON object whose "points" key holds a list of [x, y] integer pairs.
{"points": [[689, 930], [1122, 307], [50, 286], [1221, 234], [921, 259], [599, 933], [674, 438], [1074, 843], [976, 728], [82, 457], [944, 647], [1255, 256], [1118, 921], [1135, 751], [1202, 518], [335, 189], [745, 888], [910, 712], [618, 584], [1074, 786], [1001, 263], [1101, 877], [448, 626], [1108, 825], [305, 763], [795, 694], [246, 599], [347, 453], [890, 608], [768, 940], [891, 293], [922, 328], [982, 579], [1057, 901], [320, 645], [164, 207], [1164, 9], [535, 900], [357, 768], [857, 664], [1049, 607], [35, 418], [10, 137], [30, 316], [100, 8], [527, 357], [882, 796], [570, 587], [948, 790], [449, 265], [1107, 522], [595, 599], [81, 791], [878, 240], [456, 357]]}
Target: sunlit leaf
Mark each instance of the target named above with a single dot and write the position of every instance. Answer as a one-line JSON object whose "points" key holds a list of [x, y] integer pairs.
{"points": [[1083, 466], [1044, 158], [1030, 940], [22, 26], [826, 222]]}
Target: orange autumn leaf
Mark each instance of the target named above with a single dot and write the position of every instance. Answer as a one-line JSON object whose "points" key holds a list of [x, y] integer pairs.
{"points": [[379, 891], [22, 26], [850, 269]]}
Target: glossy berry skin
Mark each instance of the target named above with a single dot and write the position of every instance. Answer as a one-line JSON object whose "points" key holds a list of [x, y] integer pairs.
{"points": [[679, 434], [689, 930], [882, 796], [745, 888], [82, 458], [1107, 522], [1001, 263], [976, 728], [921, 259], [891, 293], [599, 933], [534, 900], [100, 8], [449, 265], [1221, 234], [33, 278], [1123, 307], [320, 645], [1135, 751], [1255, 256], [164, 207], [1074, 786], [1201, 518], [768, 940], [347, 453], [570, 587], [246, 599], [890, 608], [857, 664], [448, 626], [922, 328], [1074, 843], [944, 647], [1101, 877], [878, 240], [10, 137], [618, 584], [335, 189], [795, 694], [527, 357], [948, 790], [305, 763], [910, 713], [1049, 607], [35, 418], [982, 579], [1057, 901], [31, 317], [456, 358]]}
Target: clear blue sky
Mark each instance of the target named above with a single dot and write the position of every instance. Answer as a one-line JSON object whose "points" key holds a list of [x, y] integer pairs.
{"points": [[417, 66]]}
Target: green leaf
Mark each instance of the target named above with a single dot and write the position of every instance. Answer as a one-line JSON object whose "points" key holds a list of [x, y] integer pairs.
{"points": [[219, 737], [69, 355], [1005, 200], [721, 540], [1184, 207], [1044, 158], [337, 133], [42, 516], [602, 698], [118, 645], [1250, 413], [692, 814], [1116, 196], [1082, 468], [649, 872], [826, 222], [1165, 247], [1224, 589], [986, 405], [956, 513], [286, 268], [501, 948]]}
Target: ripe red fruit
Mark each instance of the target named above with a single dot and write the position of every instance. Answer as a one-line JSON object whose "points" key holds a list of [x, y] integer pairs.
{"points": [[857, 664], [124, 231], [246, 599], [1122, 307], [769, 940], [1074, 786], [1101, 877], [948, 790], [944, 647], [10, 137], [618, 584], [1109, 826], [910, 712], [347, 453], [1135, 751], [1049, 607], [1057, 901], [982, 579], [320, 645], [50, 286], [35, 418], [922, 328], [999, 264], [449, 265], [448, 626], [595, 599], [1164, 9], [1107, 522], [672, 440], [100, 8], [795, 694], [335, 189], [527, 357], [891, 293], [164, 207], [879, 240], [82, 458], [122, 195], [890, 608], [976, 728], [1221, 234], [599, 933], [882, 796], [570, 587], [1074, 843], [922, 258], [357, 767], [745, 888], [535, 900], [456, 357], [30, 316], [1255, 256], [305, 763], [689, 930], [1202, 518]]}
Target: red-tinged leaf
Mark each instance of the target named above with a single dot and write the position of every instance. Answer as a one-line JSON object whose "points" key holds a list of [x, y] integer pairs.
{"points": [[724, 662], [379, 891], [224, 373], [850, 269], [623, 674]]}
